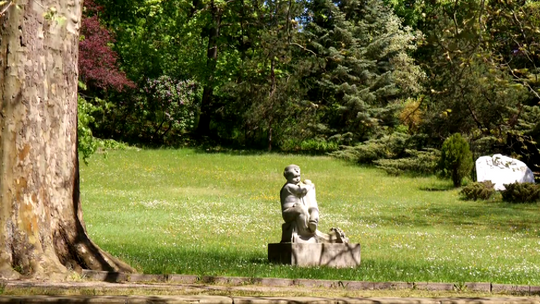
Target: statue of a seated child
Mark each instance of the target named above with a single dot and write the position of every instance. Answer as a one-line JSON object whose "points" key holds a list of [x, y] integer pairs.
{"points": [[301, 213]]}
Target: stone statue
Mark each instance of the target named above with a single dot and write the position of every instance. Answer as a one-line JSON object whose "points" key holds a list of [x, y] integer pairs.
{"points": [[301, 213]]}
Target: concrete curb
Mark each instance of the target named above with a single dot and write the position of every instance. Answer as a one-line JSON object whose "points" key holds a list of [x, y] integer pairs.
{"points": [[255, 300], [113, 277], [200, 292]]}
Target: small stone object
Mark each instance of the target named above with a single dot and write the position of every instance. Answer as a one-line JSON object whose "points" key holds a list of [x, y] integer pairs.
{"points": [[302, 244], [500, 170]]}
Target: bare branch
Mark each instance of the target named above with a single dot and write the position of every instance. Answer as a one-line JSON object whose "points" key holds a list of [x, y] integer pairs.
{"points": [[6, 8], [524, 83], [304, 48]]}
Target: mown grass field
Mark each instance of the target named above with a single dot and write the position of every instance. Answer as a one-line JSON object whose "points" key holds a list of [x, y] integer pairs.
{"points": [[183, 211]]}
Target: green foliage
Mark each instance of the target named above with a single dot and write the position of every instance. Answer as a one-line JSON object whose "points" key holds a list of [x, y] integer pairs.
{"points": [[417, 163], [169, 102], [272, 72], [159, 114], [312, 146], [513, 37], [375, 149], [111, 144], [478, 191], [359, 65], [521, 193], [275, 112], [479, 70], [87, 144], [456, 159], [155, 38]]}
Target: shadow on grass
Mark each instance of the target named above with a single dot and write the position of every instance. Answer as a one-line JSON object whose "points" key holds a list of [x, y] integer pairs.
{"points": [[157, 260], [252, 152], [503, 217], [436, 188]]}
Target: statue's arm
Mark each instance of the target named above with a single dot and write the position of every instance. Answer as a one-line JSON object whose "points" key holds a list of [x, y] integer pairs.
{"points": [[307, 186], [299, 190], [288, 196]]}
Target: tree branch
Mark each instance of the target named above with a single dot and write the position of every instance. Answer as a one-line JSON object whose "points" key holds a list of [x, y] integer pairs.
{"points": [[6, 8], [304, 48]]}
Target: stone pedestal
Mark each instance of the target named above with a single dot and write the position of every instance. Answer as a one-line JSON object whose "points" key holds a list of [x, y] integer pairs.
{"points": [[315, 254]]}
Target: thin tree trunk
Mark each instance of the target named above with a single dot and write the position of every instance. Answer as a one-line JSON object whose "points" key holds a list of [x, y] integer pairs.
{"points": [[42, 233], [271, 104], [203, 126]]}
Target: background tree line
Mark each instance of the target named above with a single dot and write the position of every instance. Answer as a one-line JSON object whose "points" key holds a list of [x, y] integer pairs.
{"points": [[368, 80]]}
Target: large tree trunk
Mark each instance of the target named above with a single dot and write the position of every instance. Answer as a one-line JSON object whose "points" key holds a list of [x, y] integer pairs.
{"points": [[42, 234]]}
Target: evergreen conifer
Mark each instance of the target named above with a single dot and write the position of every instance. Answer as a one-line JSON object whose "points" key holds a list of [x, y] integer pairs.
{"points": [[360, 65], [456, 158]]}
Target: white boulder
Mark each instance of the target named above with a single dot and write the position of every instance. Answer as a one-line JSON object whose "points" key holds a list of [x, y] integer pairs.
{"points": [[500, 170]]}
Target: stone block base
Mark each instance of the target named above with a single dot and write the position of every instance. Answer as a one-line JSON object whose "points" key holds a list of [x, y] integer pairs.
{"points": [[315, 254]]}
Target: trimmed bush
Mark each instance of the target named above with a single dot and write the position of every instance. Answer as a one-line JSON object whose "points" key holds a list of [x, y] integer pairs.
{"points": [[386, 147], [478, 191], [456, 159], [312, 146], [521, 193], [417, 163]]}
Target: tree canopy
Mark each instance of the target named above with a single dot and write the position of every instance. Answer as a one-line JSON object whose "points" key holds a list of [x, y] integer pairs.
{"points": [[312, 75]]}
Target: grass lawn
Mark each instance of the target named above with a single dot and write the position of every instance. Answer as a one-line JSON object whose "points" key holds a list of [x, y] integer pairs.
{"points": [[182, 211]]}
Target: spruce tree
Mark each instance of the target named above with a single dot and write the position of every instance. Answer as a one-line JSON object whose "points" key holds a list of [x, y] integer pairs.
{"points": [[456, 159], [359, 63]]}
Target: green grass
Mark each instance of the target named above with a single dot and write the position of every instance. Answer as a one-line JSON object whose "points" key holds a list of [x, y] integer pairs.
{"points": [[181, 211]]}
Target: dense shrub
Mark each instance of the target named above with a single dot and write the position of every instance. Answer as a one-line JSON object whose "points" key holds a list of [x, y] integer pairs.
{"points": [[87, 144], [313, 146], [159, 114], [374, 149], [418, 162], [478, 191], [521, 193], [456, 159]]}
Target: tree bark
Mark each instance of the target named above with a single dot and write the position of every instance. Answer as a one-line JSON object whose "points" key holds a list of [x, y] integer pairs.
{"points": [[42, 233], [207, 105]]}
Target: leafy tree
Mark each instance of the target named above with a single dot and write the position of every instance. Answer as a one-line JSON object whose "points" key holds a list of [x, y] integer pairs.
{"points": [[511, 29], [339, 71], [162, 112], [154, 38], [456, 159], [188, 40], [269, 75], [471, 55], [98, 67]]}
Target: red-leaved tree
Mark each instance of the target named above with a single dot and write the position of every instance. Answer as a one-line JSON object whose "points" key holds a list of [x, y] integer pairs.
{"points": [[98, 66]]}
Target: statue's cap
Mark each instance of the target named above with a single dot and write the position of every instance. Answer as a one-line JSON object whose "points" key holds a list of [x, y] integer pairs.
{"points": [[289, 167]]}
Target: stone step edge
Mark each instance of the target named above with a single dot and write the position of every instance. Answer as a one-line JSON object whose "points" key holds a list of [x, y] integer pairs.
{"points": [[119, 277], [252, 300]]}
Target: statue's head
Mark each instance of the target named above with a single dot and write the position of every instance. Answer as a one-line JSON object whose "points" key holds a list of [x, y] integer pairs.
{"points": [[292, 174]]}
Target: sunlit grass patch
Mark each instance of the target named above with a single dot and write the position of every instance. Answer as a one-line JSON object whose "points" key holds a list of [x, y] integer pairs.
{"points": [[181, 211]]}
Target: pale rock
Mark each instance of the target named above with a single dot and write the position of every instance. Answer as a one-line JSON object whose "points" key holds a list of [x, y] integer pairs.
{"points": [[500, 170]]}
